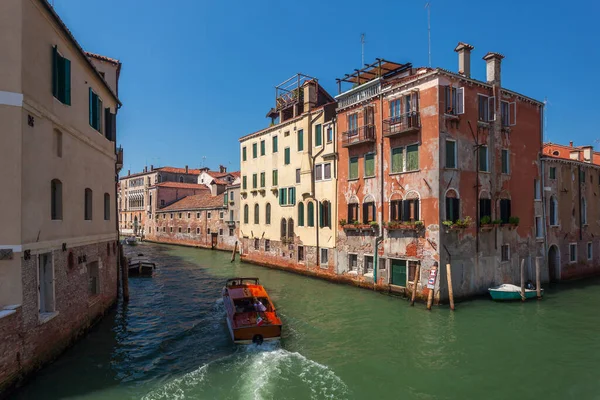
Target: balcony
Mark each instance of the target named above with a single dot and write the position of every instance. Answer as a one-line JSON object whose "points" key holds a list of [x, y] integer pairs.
{"points": [[119, 158], [231, 223], [405, 123], [364, 134]]}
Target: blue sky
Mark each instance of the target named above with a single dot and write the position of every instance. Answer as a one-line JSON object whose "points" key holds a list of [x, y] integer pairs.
{"points": [[198, 75]]}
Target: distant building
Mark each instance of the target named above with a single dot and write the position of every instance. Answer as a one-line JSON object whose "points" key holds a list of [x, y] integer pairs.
{"points": [[58, 242], [289, 179], [217, 181]]}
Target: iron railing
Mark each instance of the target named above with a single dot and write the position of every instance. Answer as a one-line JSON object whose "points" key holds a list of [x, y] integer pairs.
{"points": [[408, 122], [358, 135], [360, 95]]}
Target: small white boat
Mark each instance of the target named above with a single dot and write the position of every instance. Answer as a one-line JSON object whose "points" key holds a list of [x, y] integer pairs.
{"points": [[507, 292], [141, 266], [131, 240]]}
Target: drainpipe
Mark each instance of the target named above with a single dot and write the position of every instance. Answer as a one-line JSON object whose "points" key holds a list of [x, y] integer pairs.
{"points": [[334, 139], [312, 178], [580, 214], [379, 239], [542, 183]]}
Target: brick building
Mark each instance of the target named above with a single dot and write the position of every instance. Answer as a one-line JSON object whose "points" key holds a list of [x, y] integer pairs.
{"points": [[570, 186], [197, 220], [58, 242], [426, 161]]}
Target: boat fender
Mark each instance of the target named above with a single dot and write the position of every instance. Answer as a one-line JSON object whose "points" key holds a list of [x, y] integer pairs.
{"points": [[257, 339]]}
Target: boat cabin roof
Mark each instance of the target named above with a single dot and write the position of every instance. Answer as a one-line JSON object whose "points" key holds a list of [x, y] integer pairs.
{"points": [[246, 291]]}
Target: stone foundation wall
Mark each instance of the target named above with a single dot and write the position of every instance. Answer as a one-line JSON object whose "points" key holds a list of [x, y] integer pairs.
{"points": [[34, 339]]}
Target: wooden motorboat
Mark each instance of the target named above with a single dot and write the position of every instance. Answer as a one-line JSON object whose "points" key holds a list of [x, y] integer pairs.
{"points": [[131, 240], [251, 316], [141, 266], [508, 292]]}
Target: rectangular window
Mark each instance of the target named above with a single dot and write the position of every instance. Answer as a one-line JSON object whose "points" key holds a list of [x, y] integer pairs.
{"points": [[221, 232], [262, 180], [197, 215], [189, 230], [368, 264], [300, 253], [225, 202], [275, 177], [538, 228], [179, 230], [450, 153], [262, 148], [412, 270], [300, 140], [46, 283], [286, 156], [230, 231], [244, 153], [244, 182], [327, 171], [88, 205], [537, 190], [412, 157], [291, 196], [505, 256], [282, 197], [208, 215], [395, 109], [352, 124], [483, 158], [452, 209], [95, 111], [484, 105], [552, 172], [353, 262], [319, 172], [318, 137], [590, 254], [352, 212], [397, 159], [369, 165], [298, 174], [274, 144], [197, 231], [254, 181], [504, 210], [267, 245], [573, 252], [353, 168], [254, 150], [256, 244], [208, 231], [324, 257], [505, 161], [454, 99], [221, 214], [61, 77], [485, 208], [329, 135], [93, 278], [582, 176]]}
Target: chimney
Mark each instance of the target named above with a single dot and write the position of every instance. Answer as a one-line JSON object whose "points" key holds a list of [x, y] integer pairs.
{"points": [[186, 169], [145, 169], [310, 95], [128, 172], [151, 167], [571, 143], [222, 169], [493, 61], [587, 153], [464, 58]]}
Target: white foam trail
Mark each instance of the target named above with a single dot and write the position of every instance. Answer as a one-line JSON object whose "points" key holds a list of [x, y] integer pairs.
{"points": [[176, 389]]}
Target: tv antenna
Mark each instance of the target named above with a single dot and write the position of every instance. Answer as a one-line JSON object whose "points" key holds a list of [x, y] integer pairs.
{"points": [[428, 7], [203, 161], [362, 47], [546, 103]]}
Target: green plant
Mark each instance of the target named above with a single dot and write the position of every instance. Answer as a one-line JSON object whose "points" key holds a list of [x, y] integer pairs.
{"points": [[342, 222], [356, 223], [418, 223], [373, 223], [497, 221], [463, 223], [513, 220], [486, 220], [448, 223]]}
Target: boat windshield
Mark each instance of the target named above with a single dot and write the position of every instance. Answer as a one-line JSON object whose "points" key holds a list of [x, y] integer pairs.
{"points": [[246, 305]]}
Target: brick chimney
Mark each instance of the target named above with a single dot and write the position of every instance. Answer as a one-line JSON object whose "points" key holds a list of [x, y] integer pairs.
{"points": [[222, 169], [493, 67], [310, 95], [571, 143], [186, 169], [464, 58], [151, 167], [128, 172], [145, 169]]}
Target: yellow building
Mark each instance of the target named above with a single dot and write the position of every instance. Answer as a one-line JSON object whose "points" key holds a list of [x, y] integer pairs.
{"points": [[289, 182]]}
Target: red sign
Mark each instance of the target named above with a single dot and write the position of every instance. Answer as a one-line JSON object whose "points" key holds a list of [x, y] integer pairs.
{"points": [[432, 276]]}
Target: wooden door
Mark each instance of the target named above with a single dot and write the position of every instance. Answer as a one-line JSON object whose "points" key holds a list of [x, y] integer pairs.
{"points": [[398, 273]]}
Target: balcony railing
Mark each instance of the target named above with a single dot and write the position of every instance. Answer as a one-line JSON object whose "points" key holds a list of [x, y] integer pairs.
{"points": [[372, 89], [405, 123], [359, 135]]}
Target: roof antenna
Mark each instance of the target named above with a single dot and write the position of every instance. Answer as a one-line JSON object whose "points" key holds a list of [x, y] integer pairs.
{"points": [[362, 48], [428, 7], [203, 161], [546, 103]]}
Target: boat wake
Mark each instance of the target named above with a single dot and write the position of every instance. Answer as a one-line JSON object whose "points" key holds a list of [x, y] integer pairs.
{"points": [[256, 372]]}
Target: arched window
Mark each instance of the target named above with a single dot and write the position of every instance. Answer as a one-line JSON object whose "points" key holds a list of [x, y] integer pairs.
{"points": [[396, 207], [369, 209], [88, 204], [267, 214], [310, 211], [256, 214], [553, 211], [583, 211], [106, 207], [325, 214], [485, 205], [57, 143], [300, 214], [410, 207], [245, 213], [181, 179], [159, 178], [290, 228], [452, 206], [283, 228], [56, 199]]}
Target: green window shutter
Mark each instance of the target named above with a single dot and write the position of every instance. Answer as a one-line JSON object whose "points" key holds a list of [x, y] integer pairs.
{"points": [[320, 214], [280, 197], [483, 158], [292, 196], [67, 81], [244, 182], [284, 197], [55, 72], [262, 179], [310, 209], [287, 156], [98, 114], [254, 181], [450, 154], [300, 140], [412, 158], [318, 137], [353, 173], [300, 214], [262, 148], [397, 159], [244, 153], [274, 144], [254, 150], [274, 177], [370, 164], [91, 107], [329, 215], [225, 199]]}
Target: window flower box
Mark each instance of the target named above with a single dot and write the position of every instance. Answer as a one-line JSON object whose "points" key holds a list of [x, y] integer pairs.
{"points": [[459, 225], [404, 226]]}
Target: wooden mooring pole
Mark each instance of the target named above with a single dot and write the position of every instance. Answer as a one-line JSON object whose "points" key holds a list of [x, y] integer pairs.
{"points": [[431, 290], [450, 290], [523, 279], [234, 251], [124, 274], [416, 281], [538, 284]]}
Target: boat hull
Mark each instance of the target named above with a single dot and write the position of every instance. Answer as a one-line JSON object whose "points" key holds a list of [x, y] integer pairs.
{"points": [[503, 295], [141, 270], [249, 334]]}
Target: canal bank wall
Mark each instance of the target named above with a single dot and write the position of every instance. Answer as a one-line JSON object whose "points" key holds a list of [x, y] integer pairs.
{"points": [[85, 287]]}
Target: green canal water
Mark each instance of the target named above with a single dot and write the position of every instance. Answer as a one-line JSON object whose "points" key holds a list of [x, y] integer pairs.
{"points": [[171, 342]]}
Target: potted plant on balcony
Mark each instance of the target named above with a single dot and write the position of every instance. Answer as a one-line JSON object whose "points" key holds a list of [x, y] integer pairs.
{"points": [[513, 222], [497, 222], [460, 224], [343, 222], [374, 224], [485, 223]]}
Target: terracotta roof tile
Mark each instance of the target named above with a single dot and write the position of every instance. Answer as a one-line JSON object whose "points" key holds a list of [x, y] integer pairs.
{"points": [[221, 182], [198, 201], [174, 170], [103, 58], [180, 185]]}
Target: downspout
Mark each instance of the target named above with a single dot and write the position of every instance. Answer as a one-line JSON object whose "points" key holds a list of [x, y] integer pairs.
{"points": [[580, 214], [379, 239], [334, 139], [313, 181], [542, 176]]}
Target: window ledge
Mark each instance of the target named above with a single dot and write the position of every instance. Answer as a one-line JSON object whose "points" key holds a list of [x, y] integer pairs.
{"points": [[6, 313], [47, 316], [540, 240], [353, 272], [370, 177], [404, 172], [352, 179], [449, 169]]}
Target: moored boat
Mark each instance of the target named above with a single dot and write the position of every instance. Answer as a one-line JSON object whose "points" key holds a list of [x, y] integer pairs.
{"points": [[251, 316], [507, 292], [141, 266], [131, 240]]}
